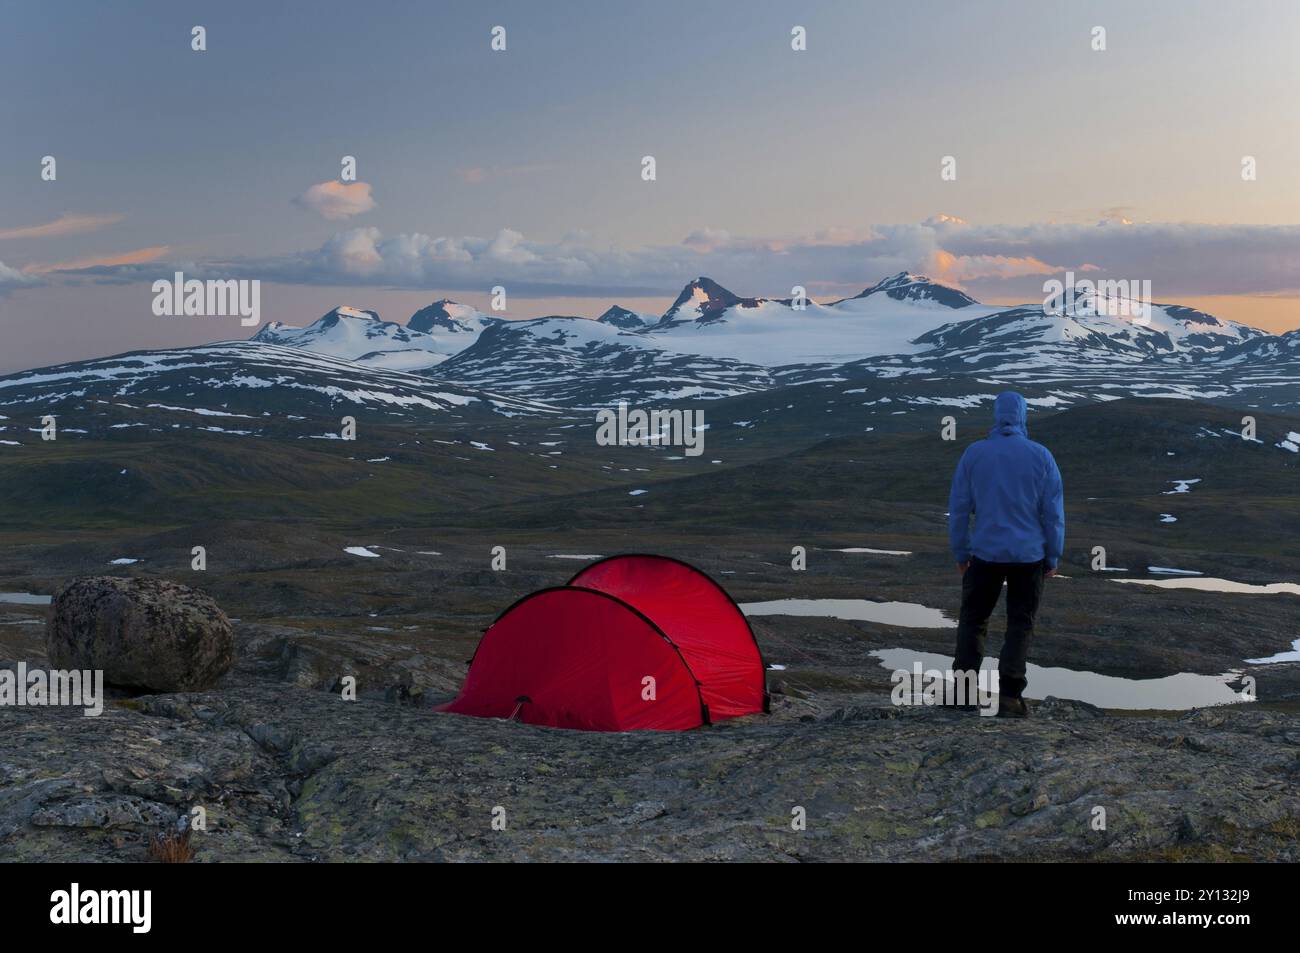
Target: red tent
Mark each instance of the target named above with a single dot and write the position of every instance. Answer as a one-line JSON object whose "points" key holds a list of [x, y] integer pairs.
{"points": [[633, 642]]}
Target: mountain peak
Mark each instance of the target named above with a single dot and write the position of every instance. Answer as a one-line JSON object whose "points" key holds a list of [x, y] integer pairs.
{"points": [[706, 286], [903, 278], [331, 318], [704, 300], [347, 311], [443, 313], [907, 286], [622, 318], [271, 332]]}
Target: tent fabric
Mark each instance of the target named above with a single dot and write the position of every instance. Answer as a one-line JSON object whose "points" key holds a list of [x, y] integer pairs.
{"points": [[633, 642], [701, 619], [577, 658]]}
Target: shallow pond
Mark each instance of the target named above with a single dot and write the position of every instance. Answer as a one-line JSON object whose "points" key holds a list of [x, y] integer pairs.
{"points": [[910, 614], [1172, 693], [25, 599]]}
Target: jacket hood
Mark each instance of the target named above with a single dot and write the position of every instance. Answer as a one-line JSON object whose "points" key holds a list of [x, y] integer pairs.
{"points": [[1010, 414]]}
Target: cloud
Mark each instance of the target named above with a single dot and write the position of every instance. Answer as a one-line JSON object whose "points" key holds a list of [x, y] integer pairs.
{"points": [[707, 240], [1002, 262], [11, 278], [477, 174], [63, 225], [136, 257], [1177, 258], [337, 200], [830, 262], [1121, 214], [959, 269]]}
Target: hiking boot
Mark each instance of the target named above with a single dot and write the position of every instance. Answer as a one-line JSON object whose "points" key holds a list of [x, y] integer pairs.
{"points": [[1009, 707]]}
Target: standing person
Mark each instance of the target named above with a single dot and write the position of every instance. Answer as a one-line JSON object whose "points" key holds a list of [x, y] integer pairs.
{"points": [[1013, 487]]}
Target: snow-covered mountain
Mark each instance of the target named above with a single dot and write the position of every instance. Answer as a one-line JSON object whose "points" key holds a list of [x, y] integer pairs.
{"points": [[712, 343], [706, 321], [703, 301], [709, 343], [1265, 349], [234, 384], [627, 320], [906, 286], [459, 323], [1111, 332], [433, 334], [711, 321], [904, 345], [361, 336], [583, 363]]}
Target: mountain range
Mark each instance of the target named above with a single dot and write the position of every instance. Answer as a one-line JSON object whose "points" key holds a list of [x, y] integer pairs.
{"points": [[906, 330], [713, 343]]}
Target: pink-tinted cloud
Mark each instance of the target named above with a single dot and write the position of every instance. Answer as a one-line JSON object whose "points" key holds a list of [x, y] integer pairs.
{"points": [[337, 200], [63, 225], [957, 269], [136, 257]]}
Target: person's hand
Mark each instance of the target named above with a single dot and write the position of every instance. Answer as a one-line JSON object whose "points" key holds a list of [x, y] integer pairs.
{"points": [[1049, 572], [963, 566]]}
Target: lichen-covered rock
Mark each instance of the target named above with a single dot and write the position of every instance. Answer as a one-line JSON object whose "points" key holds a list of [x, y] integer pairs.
{"points": [[287, 773], [143, 633]]}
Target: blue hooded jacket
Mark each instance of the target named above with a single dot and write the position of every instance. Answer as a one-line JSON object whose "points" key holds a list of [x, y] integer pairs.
{"points": [[1013, 487]]}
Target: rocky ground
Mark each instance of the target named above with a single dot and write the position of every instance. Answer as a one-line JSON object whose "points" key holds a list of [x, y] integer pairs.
{"points": [[287, 770]]}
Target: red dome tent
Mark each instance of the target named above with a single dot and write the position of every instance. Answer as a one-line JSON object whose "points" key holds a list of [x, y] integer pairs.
{"points": [[583, 655], [701, 619]]}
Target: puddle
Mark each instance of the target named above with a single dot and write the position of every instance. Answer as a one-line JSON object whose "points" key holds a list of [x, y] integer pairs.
{"points": [[25, 599], [1292, 656], [1211, 584], [1173, 693], [360, 551], [876, 552], [910, 614]]}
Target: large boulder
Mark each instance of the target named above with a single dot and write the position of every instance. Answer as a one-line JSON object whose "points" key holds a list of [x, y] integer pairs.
{"points": [[143, 633]]}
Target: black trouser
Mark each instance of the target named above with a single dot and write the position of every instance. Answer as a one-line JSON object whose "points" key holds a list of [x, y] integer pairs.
{"points": [[981, 585]]}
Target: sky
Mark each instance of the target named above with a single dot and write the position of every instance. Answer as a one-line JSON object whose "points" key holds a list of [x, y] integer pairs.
{"points": [[523, 168]]}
